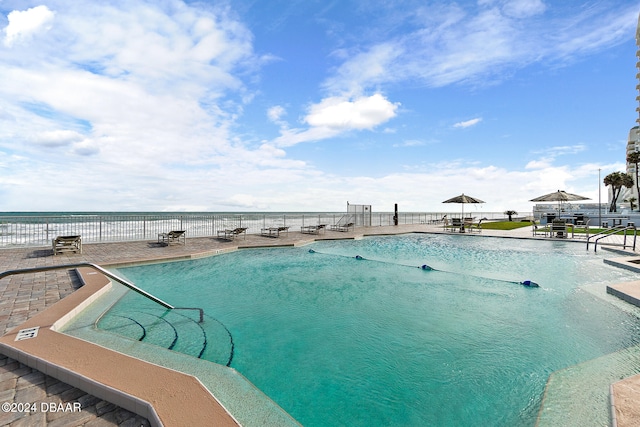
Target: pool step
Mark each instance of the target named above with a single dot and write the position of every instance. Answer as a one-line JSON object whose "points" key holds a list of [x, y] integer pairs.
{"points": [[579, 395], [160, 327], [142, 326], [175, 330]]}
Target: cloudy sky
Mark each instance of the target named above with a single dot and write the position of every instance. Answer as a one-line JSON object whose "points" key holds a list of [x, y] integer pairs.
{"points": [[303, 105]]}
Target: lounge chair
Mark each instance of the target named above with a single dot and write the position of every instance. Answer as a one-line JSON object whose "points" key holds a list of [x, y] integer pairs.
{"points": [[172, 237], [313, 229], [343, 228], [582, 228], [232, 234], [539, 230], [438, 221], [475, 226], [273, 231], [65, 244]]}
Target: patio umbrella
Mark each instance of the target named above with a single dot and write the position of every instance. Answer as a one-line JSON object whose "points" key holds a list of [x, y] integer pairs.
{"points": [[559, 196], [462, 199]]}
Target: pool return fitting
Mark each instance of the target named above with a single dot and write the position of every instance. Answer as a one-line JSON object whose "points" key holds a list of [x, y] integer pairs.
{"points": [[425, 267]]}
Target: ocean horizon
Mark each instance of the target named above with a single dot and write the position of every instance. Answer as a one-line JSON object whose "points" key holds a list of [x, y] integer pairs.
{"points": [[30, 228]]}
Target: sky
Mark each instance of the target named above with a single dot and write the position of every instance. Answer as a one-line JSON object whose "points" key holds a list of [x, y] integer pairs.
{"points": [[305, 105]]}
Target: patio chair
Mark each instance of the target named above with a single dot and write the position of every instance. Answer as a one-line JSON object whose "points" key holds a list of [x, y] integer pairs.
{"points": [[457, 224], [273, 231], [342, 228], [559, 228], [172, 237], [475, 226], [582, 229], [439, 221], [312, 229], [65, 244], [539, 230], [232, 234]]}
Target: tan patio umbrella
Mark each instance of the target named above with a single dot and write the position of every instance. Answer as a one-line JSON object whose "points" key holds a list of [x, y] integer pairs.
{"points": [[559, 196], [462, 199]]}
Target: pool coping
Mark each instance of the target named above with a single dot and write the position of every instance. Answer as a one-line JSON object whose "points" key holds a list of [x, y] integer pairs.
{"points": [[128, 382]]}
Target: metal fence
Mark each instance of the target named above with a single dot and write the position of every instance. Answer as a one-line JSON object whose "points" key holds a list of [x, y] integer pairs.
{"points": [[36, 230]]}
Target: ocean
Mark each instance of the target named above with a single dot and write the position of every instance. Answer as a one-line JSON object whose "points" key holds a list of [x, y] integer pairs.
{"points": [[39, 228]]}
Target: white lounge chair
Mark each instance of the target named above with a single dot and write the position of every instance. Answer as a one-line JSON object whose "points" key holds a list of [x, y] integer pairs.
{"points": [[273, 231], [66, 244], [343, 228], [232, 234], [172, 237], [475, 226], [539, 230], [312, 229]]}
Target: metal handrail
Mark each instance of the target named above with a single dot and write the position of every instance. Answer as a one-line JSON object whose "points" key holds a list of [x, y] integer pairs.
{"points": [[95, 267], [611, 231], [201, 311]]}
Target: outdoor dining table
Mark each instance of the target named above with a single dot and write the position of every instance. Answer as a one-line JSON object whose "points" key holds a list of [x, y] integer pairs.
{"points": [[618, 221]]}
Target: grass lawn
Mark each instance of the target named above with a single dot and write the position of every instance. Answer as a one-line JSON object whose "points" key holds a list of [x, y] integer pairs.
{"points": [[504, 225]]}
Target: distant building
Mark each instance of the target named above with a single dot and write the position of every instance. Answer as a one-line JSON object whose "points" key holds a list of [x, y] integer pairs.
{"points": [[633, 143]]}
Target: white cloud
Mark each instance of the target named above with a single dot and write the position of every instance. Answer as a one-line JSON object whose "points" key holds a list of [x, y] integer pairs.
{"points": [[538, 164], [56, 138], [365, 69], [450, 45], [146, 79], [246, 201], [146, 96], [336, 115], [275, 113], [566, 149], [86, 148], [345, 114], [522, 8], [25, 24], [410, 143], [468, 123]]}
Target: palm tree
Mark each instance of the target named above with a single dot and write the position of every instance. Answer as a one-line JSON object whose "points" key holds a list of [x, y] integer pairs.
{"points": [[635, 159], [510, 214], [631, 201], [617, 180]]}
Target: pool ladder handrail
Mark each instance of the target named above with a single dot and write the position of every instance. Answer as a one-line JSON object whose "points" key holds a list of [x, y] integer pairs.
{"points": [[201, 311], [611, 231], [106, 273]]}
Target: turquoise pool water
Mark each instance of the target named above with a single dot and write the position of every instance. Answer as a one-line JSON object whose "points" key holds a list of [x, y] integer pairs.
{"points": [[339, 341]]}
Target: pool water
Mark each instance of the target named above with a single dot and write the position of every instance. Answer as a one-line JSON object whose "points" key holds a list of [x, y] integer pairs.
{"points": [[336, 340]]}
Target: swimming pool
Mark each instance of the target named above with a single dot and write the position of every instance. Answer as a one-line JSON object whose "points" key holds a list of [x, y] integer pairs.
{"points": [[336, 340]]}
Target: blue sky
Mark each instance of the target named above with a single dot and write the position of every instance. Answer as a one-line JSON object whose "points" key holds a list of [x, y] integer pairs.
{"points": [[304, 105]]}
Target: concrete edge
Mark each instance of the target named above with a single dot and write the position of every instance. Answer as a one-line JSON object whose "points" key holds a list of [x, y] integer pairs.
{"points": [[612, 407], [66, 351]]}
